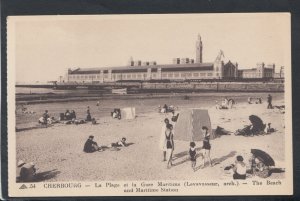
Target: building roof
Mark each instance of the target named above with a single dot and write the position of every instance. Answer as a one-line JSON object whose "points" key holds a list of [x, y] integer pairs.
{"points": [[165, 68]]}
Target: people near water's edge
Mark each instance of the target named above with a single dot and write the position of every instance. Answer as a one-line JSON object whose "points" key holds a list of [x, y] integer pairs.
{"points": [[26, 172], [88, 115], [206, 146], [225, 104], [68, 115], [120, 143], [116, 114], [192, 152], [91, 146], [169, 144], [73, 115], [45, 117], [269, 99], [162, 143], [165, 108], [257, 100], [239, 168]]}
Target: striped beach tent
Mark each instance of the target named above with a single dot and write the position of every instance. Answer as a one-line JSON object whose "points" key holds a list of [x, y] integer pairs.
{"points": [[189, 124]]}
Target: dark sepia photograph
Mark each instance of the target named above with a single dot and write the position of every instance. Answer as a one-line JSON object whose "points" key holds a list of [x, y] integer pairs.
{"points": [[182, 100]]}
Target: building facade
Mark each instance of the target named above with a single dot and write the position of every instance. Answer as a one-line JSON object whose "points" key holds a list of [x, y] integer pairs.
{"points": [[261, 71], [180, 69]]}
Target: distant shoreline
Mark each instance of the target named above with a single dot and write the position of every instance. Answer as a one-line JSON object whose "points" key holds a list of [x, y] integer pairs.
{"points": [[52, 98]]}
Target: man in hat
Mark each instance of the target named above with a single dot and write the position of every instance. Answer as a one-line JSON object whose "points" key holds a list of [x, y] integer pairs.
{"points": [[26, 172], [91, 146]]}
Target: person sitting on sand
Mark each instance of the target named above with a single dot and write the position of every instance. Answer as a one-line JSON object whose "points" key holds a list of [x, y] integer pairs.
{"points": [[116, 114], [165, 108], [250, 100], [45, 117], [91, 146], [192, 152], [68, 115], [259, 101], [239, 168], [26, 172], [269, 129], [72, 115], [121, 143]]}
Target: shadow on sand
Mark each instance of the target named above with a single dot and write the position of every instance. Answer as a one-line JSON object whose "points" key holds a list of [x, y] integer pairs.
{"points": [[104, 148], [32, 128], [183, 154], [42, 176], [276, 170], [223, 158], [214, 161]]}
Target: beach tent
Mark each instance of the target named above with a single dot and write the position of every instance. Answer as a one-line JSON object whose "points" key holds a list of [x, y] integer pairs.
{"points": [[189, 125], [128, 113]]}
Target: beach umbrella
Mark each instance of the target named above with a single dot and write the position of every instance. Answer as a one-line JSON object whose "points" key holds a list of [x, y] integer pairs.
{"points": [[256, 122], [263, 157]]}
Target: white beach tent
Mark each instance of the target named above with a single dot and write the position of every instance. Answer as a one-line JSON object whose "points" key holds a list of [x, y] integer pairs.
{"points": [[128, 113]]}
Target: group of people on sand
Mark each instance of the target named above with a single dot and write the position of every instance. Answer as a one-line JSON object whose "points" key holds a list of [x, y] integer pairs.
{"points": [[166, 108], [258, 100], [256, 127], [68, 115], [67, 118], [167, 146], [227, 103], [46, 119], [91, 146]]}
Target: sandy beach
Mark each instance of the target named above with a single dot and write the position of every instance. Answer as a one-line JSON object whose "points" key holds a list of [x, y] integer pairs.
{"points": [[57, 150]]}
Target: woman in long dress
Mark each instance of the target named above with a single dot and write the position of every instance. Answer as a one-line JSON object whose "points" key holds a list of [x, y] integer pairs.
{"points": [[162, 141]]}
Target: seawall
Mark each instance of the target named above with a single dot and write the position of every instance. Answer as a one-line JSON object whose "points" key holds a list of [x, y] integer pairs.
{"points": [[216, 87]]}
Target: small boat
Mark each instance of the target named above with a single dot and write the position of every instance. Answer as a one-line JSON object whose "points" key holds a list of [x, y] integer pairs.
{"points": [[119, 91]]}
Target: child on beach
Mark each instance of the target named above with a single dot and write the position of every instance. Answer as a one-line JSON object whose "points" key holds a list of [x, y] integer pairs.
{"points": [[206, 146], [192, 153]]}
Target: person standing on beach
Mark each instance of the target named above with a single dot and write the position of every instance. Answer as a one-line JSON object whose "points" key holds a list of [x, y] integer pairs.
{"points": [[206, 146], [192, 153], [162, 142], [169, 144], [269, 102], [46, 117], [88, 115]]}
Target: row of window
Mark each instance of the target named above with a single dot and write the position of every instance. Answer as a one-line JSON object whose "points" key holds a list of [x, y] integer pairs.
{"points": [[142, 76]]}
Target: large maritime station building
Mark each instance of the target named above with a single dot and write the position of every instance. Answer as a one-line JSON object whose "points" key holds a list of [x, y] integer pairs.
{"points": [[179, 69]]}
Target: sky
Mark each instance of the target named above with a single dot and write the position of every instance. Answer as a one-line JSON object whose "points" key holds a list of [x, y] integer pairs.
{"points": [[42, 48]]}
